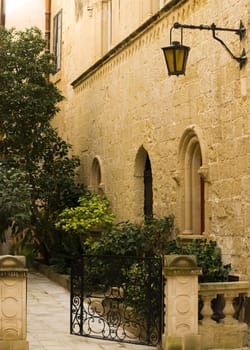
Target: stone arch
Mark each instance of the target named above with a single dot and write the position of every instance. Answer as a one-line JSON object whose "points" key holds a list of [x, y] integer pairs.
{"points": [[192, 178], [97, 184], [143, 184]]}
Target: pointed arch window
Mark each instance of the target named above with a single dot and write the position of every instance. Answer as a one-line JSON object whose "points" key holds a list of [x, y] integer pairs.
{"points": [[143, 200], [96, 177], [148, 192], [194, 190], [192, 186]]}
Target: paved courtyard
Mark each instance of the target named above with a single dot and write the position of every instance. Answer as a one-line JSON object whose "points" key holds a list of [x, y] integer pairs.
{"points": [[48, 312]]}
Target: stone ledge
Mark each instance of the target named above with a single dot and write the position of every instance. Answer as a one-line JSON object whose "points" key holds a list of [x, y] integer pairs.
{"points": [[62, 280], [239, 286]]}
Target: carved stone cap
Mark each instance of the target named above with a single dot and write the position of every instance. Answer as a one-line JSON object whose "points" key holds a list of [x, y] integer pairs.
{"points": [[12, 265], [181, 265]]}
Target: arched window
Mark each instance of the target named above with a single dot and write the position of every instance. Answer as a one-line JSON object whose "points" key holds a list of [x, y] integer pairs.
{"points": [[96, 177], [148, 191], [143, 184], [192, 185]]}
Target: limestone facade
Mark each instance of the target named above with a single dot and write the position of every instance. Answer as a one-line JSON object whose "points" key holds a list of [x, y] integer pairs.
{"points": [[126, 117]]}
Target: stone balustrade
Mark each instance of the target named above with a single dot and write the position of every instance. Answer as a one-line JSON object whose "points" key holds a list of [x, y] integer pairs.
{"points": [[221, 315], [221, 309]]}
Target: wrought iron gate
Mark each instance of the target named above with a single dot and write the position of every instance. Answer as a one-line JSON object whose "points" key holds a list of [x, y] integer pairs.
{"points": [[117, 298]]}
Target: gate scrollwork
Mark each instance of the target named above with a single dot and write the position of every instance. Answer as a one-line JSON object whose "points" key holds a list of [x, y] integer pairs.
{"points": [[117, 298]]}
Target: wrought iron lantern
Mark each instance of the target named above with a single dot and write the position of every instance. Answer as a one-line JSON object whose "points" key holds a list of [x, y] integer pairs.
{"points": [[176, 54]]}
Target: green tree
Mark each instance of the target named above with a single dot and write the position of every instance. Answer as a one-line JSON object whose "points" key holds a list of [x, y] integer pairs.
{"points": [[28, 144]]}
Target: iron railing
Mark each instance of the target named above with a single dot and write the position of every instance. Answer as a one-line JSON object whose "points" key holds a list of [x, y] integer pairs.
{"points": [[117, 298]]}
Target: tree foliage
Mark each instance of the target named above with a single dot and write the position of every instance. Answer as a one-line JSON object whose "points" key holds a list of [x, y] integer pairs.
{"points": [[42, 171], [15, 192], [93, 211]]}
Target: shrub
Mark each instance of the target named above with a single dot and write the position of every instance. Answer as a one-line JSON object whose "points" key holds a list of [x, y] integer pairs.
{"points": [[208, 256], [130, 240], [93, 211], [127, 238]]}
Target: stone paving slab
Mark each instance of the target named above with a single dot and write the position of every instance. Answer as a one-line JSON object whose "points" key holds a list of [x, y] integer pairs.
{"points": [[48, 314]]}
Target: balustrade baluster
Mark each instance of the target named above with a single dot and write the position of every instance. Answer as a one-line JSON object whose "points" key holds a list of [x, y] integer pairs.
{"points": [[207, 311], [229, 308]]}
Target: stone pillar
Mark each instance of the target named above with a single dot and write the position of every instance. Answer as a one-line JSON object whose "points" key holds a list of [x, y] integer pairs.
{"points": [[13, 303], [181, 302]]}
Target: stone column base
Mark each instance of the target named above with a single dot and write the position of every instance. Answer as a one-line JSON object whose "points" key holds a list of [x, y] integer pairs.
{"points": [[188, 342], [14, 345]]}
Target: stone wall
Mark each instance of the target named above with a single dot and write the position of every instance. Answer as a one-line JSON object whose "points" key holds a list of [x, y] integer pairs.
{"points": [[127, 102]]}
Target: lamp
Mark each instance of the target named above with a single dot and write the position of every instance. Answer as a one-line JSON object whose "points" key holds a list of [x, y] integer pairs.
{"points": [[176, 54], [176, 58]]}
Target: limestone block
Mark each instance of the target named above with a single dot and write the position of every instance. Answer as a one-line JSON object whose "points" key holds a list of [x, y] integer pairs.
{"points": [[221, 336]]}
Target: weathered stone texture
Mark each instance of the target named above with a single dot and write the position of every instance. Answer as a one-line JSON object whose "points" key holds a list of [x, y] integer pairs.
{"points": [[128, 101]]}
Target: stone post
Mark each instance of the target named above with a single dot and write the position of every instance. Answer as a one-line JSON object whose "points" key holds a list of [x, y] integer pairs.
{"points": [[13, 303], [181, 302]]}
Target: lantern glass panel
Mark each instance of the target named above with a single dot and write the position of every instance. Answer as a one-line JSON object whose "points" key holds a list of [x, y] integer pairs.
{"points": [[179, 59], [169, 57]]}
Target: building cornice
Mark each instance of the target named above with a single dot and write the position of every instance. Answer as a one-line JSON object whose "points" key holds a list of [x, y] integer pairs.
{"points": [[127, 41]]}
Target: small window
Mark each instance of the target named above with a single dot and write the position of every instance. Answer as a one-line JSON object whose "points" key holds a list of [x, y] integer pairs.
{"points": [[110, 29], [107, 26], [57, 40], [96, 177], [148, 191]]}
